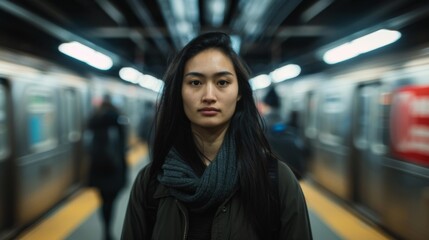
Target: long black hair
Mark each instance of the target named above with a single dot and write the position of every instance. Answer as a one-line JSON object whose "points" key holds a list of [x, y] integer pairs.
{"points": [[253, 151]]}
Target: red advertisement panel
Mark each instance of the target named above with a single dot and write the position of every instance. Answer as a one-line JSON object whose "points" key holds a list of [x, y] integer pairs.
{"points": [[410, 124]]}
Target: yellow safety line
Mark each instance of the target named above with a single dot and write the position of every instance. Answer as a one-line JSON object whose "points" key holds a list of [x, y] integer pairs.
{"points": [[341, 221], [68, 218], [64, 221], [136, 153]]}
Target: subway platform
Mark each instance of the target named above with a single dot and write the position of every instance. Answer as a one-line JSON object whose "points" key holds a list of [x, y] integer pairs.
{"points": [[80, 218]]}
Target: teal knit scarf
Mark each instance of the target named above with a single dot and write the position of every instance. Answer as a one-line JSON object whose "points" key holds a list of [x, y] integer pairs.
{"points": [[212, 188]]}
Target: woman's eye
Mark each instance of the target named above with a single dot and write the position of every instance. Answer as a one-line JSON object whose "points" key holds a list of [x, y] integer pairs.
{"points": [[195, 82], [223, 83]]}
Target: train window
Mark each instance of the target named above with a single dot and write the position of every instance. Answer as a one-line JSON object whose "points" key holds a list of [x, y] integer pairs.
{"points": [[41, 119], [4, 145], [365, 111], [331, 110], [72, 115], [384, 129]]}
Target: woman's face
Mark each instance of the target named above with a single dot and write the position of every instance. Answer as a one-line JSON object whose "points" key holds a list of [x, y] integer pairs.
{"points": [[209, 89]]}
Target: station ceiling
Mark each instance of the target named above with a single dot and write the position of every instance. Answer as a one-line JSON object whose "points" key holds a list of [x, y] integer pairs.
{"points": [[146, 34]]}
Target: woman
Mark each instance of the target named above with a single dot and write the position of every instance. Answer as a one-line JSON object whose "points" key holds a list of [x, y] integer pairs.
{"points": [[209, 176]]}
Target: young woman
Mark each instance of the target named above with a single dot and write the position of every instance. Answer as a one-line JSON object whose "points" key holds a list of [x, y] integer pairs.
{"points": [[211, 175]]}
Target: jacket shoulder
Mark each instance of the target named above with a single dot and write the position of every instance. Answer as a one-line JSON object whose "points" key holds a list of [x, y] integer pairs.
{"points": [[288, 183], [143, 176], [285, 173]]}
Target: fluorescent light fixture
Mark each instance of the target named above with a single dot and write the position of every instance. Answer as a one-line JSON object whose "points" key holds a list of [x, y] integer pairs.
{"points": [[260, 81], [151, 82], [236, 43], [183, 27], [216, 12], [286, 72], [86, 54], [178, 7], [361, 45], [130, 74]]}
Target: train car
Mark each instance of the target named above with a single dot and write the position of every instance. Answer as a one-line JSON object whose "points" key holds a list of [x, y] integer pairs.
{"points": [[368, 130], [43, 113]]}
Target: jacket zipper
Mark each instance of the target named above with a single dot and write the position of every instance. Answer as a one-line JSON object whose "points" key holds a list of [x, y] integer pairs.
{"points": [[185, 232]]}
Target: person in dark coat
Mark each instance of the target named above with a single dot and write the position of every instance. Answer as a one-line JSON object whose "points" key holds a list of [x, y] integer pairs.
{"points": [[213, 174], [107, 171], [272, 103], [283, 137]]}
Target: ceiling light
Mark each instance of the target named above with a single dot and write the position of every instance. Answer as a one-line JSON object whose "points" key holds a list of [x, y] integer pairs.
{"points": [[236, 43], [215, 12], [130, 74], [260, 81], [361, 45], [286, 72], [152, 83], [86, 54]]}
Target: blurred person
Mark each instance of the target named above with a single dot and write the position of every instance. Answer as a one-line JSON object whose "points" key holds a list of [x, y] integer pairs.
{"points": [[271, 108], [286, 141], [107, 172], [213, 175], [283, 138]]}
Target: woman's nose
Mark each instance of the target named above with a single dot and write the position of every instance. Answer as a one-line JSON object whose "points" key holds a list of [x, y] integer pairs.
{"points": [[209, 95]]}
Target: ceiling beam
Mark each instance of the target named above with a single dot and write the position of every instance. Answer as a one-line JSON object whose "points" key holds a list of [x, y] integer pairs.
{"points": [[315, 9], [143, 15], [113, 12], [55, 30], [303, 31]]}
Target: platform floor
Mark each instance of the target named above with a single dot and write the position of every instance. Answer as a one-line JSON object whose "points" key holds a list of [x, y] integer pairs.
{"points": [[79, 218]]}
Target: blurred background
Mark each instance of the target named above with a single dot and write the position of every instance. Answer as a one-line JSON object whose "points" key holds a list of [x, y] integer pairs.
{"points": [[346, 81]]}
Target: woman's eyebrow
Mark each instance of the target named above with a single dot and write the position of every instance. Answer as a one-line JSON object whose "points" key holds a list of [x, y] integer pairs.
{"points": [[218, 74]]}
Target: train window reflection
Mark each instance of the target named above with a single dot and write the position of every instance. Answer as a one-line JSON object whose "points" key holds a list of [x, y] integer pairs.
{"points": [[72, 116], [384, 130], [332, 108], [4, 146], [367, 96], [41, 119]]}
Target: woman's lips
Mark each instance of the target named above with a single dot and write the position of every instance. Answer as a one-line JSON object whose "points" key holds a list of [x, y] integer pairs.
{"points": [[209, 111]]}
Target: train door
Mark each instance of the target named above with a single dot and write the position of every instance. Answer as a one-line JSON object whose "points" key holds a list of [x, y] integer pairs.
{"points": [[5, 157], [73, 129], [366, 152], [331, 166], [43, 168]]}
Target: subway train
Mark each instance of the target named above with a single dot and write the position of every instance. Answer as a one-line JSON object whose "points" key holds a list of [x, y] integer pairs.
{"points": [[43, 110], [367, 128]]}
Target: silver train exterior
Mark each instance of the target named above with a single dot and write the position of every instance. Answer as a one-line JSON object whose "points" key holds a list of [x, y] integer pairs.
{"points": [[367, 127], [43, 110]]}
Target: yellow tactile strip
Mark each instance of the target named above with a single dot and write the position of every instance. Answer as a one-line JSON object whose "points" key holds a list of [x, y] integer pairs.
{"points": [[136, 153], [65, 220], [341, 221]]}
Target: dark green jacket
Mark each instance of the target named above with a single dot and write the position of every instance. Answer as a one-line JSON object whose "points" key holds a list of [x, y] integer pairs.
{"points": [[229, 221]]}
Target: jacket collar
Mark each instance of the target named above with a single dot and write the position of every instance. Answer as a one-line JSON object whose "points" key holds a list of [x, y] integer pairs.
{"points": [[161, 191]]}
